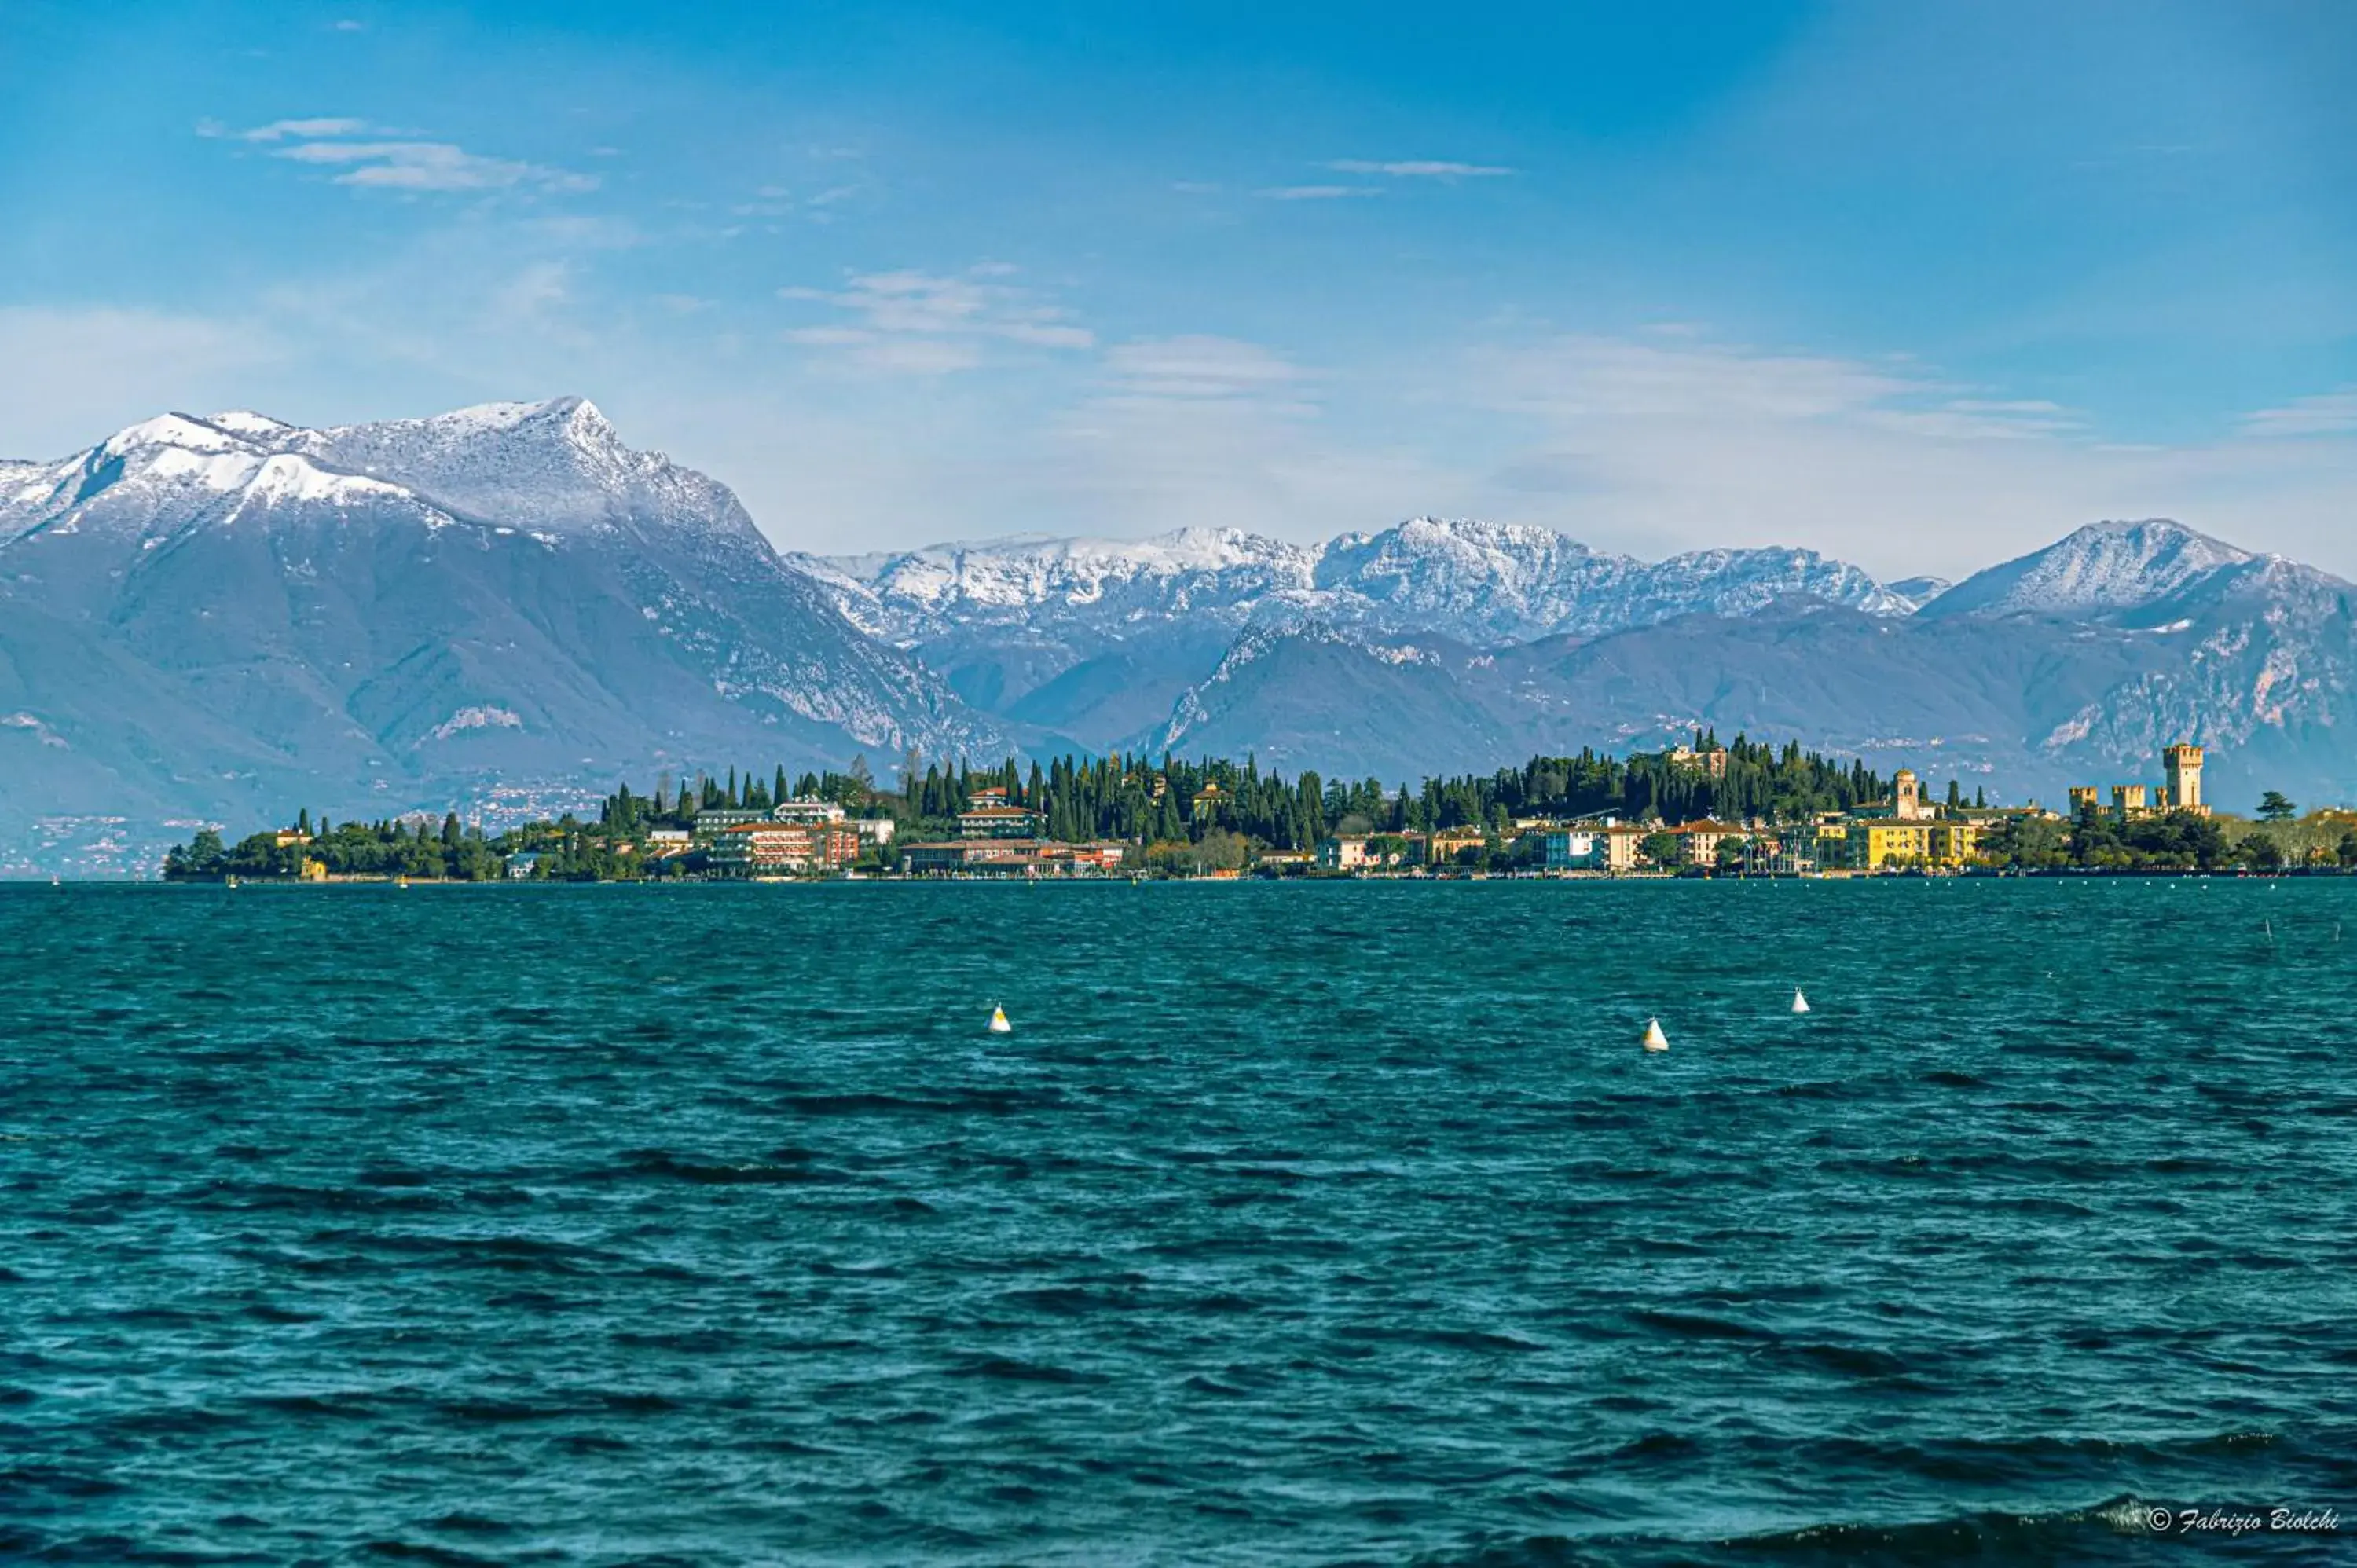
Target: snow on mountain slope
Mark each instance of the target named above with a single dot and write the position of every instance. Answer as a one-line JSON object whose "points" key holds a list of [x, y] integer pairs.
{"points": [[1476, 581], [556, 469], [1920, 591], [921, 593], [2101, 567], [340, 601]]}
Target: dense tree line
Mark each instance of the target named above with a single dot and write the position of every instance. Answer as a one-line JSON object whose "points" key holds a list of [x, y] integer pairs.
{"points": [[1214, 813], [387, 848], [2171, 841], [1206, 814]]}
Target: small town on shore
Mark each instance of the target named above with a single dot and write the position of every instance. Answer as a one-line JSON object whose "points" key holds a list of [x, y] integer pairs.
{"points": [[1746, 809]]}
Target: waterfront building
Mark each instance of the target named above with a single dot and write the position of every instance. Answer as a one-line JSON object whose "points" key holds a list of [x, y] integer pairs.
{"points": [[998, 821], [806, 811], [1699, 842], [1620, 841], [1443, 847], [520, 865], [720, 819], [1571, 848], [758, 848], [875, 833], [1361, 852], [1875, 844], [1105, 856], [1012, 857], [1956, 840]]}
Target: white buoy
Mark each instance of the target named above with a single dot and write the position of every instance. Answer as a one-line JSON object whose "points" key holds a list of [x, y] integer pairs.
{"points": [[1654, 1039], [1800, 1003], [998, 1024]]}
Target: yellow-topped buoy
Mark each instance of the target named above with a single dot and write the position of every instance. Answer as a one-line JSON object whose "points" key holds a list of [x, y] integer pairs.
{"points": [[998, 1024], [1654, 1039]]}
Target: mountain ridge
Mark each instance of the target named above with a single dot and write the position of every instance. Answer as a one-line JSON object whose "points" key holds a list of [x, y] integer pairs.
{"points": [[204, 616]]}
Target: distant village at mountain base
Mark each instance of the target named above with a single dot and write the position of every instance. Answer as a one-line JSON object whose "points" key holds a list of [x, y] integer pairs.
{"points": [[1703, 808]]}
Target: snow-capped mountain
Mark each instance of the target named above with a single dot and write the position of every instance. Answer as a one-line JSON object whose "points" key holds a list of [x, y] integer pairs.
{"points": [[2082, 661], [1086, 642], [229, 613], [1486, 581], [2101, 567], [1472, 580], [920, 593]]}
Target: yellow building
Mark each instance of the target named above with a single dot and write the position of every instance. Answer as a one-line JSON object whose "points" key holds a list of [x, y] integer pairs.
{"points": [[1831, 849], [1884, 842], [1447, 844], [1955, 841]]}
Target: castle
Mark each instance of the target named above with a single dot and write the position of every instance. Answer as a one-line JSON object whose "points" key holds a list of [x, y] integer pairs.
{"points": [[2179, 789]]}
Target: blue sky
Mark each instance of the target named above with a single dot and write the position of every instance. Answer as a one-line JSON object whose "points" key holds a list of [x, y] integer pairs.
{"points": [[1921, 286]]}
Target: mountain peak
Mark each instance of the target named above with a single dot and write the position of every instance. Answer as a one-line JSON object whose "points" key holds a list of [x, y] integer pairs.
{"points": [[2114, 564], [555, 466], [246, 423], [183, 431]]}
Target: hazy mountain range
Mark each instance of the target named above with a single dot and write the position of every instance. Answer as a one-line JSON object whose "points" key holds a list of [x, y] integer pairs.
{"points": [[219, 619]]}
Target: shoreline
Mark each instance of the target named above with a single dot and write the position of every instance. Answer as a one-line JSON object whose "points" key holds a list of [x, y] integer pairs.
{"points": [[1640, 879]]}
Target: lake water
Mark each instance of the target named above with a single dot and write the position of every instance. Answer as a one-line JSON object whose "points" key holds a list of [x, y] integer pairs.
{"points": [[1310, 1224]]}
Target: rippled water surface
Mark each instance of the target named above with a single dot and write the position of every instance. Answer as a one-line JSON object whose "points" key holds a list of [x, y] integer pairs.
{"points": [[1311, 1224]]}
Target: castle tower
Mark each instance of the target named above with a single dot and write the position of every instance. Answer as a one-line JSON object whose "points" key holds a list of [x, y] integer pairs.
{"points": [[2183, 763], [2129, 800], [2084, 798], [1908, 790]]}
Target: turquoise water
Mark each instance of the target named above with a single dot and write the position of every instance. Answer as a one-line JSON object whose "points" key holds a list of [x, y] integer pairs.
{"points": [[1311, 1224]]}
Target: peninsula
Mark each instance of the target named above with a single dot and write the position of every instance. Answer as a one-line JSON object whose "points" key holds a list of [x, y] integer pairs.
{"points": [[1704, 809]]}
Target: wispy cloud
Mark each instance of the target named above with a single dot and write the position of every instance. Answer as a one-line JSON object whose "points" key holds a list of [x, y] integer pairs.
{"points": [[1318, 193], [397, 165], [2326, 414], [280, 130], [1597, 378], [922, 322], [430, 166], [1418, 168], [1198, 367]]}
